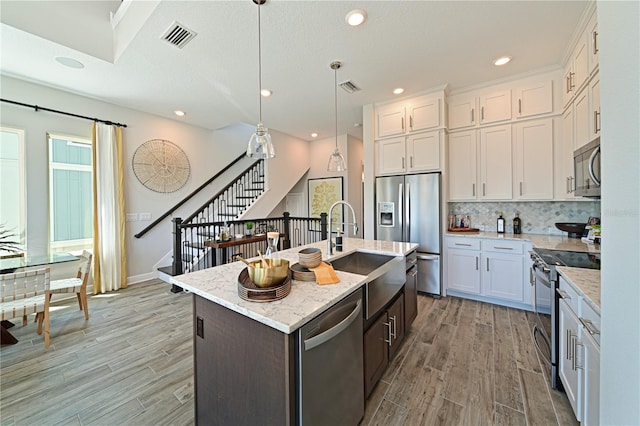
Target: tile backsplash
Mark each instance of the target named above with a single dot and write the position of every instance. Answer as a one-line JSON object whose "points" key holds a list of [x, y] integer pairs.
{"points": [[537, 217]]}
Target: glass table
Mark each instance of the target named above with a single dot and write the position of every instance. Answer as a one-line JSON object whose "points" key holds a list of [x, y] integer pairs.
{"points": [[10, 265]]}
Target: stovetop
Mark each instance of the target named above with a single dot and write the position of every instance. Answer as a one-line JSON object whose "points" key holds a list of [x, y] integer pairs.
{"points": [[574, 259]]}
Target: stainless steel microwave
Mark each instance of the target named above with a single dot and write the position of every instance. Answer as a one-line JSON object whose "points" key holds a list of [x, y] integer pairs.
{"points": [[586, 166]]}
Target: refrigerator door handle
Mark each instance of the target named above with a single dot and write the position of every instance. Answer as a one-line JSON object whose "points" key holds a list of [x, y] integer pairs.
{"points": [[408, 210], [400, 209]]}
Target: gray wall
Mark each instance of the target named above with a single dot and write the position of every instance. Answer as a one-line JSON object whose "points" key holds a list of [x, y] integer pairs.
{"points": [[619, 29]]}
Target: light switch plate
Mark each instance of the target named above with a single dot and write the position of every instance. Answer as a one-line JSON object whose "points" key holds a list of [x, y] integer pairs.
{"points": [[145, 216], [132, 217]]}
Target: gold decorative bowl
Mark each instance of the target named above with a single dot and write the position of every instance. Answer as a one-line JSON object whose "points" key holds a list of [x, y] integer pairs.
{"points": [[275, 274]]}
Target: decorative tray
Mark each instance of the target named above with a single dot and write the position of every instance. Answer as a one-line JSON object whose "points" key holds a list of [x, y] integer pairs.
{"points": [[247, 290], [463, 230]]}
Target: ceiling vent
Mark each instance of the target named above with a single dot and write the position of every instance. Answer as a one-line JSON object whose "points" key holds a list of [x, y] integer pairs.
{"points": [[178, 35], [349, 86]]}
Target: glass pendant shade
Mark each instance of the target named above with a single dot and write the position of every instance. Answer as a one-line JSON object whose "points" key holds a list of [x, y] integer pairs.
{"points": [[260, 145], [336, 162]]}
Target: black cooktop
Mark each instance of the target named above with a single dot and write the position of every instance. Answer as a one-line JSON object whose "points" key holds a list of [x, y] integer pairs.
{"points": [[574, 259]]}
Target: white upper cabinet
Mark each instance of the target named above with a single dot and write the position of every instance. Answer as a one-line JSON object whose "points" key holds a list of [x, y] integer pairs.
{"points": [[534, 99], [418, 152], [462, 113], [412, 115], [565, 182], [462, 165], [582, 119], [594, 102], [592, 28], [423, 152], [391, 156], [576, 71], [495, 106], [533, 167], [423, 113], [495, 163], [390, 120]]}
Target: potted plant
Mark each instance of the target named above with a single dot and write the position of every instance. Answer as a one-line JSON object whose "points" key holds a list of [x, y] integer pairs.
{"points": [[8, 241], [249, 227]]}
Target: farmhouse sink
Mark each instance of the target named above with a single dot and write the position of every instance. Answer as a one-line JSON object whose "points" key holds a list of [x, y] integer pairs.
{"points": [[360, 263], [385, 277]]}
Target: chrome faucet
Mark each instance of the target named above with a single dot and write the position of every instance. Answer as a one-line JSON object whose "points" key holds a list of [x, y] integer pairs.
{"points": [[355, 225]]}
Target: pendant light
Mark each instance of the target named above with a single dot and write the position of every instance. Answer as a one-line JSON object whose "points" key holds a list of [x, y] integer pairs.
{"points": [[336, 160], [260, 145]]}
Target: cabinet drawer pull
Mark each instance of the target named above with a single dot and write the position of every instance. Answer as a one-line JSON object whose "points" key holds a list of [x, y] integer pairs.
{"points": [[482, 114], [393, 333], [472, 115], [403, 162], [484, 191], [574, 364], [502, 248], [519, 106], [402, 123], [589, 326], [563, 294], [463, 244], [487, 264], [595, 42], [411, 162], [411, 122], [477, 266], [473, 189], [521, 189], [413, 274], [567, 337]]}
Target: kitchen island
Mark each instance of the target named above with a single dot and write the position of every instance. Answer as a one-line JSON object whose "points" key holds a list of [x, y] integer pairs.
{"points": [[245, 352]]}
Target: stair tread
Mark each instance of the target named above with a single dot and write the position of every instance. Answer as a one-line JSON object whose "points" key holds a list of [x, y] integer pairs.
{"points": [[166, 270], [199, 246]]}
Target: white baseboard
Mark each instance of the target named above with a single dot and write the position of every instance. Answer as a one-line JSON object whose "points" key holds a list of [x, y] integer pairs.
{"points": [[135, 279]]}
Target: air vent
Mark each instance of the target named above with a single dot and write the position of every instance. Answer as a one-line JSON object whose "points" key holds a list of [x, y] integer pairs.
{"points": [[178, 35], [349, 86]]}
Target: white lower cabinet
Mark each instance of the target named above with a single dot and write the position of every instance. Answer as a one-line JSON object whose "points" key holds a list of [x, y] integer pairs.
{"points": [[579, 355], [486, 269], [568, 326]]}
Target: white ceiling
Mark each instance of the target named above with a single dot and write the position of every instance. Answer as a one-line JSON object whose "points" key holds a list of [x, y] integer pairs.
{"points": [[214, 78]]}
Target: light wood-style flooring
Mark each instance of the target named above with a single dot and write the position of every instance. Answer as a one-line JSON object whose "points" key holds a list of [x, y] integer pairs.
{"points": [[462, 362]]}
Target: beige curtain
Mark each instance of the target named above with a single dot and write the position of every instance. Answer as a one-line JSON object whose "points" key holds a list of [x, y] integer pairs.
{"points": [[109, 254]]}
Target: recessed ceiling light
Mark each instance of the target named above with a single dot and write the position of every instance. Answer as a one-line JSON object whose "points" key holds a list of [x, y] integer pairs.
{"points": [[265, 93], [398, 91], [179, 113], [314, 135], [502, 60], [356, 17], [69, 62]]}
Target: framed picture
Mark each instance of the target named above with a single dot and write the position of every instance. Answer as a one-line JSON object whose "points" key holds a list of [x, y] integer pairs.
{"points": [[323, 192]]}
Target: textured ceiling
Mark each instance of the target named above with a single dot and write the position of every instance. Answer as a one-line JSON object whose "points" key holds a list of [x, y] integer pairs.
{"points": [[214, 78]]}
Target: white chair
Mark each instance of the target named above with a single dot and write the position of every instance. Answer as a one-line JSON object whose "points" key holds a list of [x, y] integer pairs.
{"points": [[77, 285], [24, 293]]}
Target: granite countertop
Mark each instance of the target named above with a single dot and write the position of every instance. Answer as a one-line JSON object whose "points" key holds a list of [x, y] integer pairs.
{"points": [[585, 281], [306, 299], [551, 242]]}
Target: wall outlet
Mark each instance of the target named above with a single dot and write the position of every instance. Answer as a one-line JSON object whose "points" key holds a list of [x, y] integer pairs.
{"points": [[145, 216], [132, 217]]}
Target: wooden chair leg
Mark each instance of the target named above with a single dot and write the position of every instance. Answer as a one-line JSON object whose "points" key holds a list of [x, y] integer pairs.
{"points": [[79, 300], [47, 324], [39, 318], [85, 305], [24, 320]]}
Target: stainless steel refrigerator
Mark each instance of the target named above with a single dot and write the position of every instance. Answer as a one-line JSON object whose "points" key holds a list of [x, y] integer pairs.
{"points": [[408, 209]]}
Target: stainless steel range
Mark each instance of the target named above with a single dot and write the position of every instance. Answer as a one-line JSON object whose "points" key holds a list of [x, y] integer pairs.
{"points": [[544, 278]]}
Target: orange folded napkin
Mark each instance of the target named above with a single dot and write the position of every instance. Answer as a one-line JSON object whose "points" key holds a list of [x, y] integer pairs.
{"points": [[325, 274]]}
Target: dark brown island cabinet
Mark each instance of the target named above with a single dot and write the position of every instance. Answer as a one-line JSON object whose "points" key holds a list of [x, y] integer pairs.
{"points": [[245, 371]]}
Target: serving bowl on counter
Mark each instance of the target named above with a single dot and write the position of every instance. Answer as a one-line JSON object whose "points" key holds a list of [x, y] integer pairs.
{"points": [[275, 274], [310, 257], [574, 229]]}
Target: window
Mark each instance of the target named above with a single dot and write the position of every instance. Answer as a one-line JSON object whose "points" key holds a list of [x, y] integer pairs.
{"points": [[13, 214], [70, 193]]}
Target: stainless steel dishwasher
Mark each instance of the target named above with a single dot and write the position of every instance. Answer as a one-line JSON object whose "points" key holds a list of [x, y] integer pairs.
{"points": [[330, 383]]}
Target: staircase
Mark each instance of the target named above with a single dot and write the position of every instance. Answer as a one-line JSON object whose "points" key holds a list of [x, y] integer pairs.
{"points": [[229, 204]]}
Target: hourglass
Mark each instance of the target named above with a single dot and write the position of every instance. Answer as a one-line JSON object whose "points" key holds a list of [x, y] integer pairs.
{"points": [[272, 245]]}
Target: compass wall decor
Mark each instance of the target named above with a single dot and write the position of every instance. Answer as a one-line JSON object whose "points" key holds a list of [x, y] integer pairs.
{"points": [[161, 165]]}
